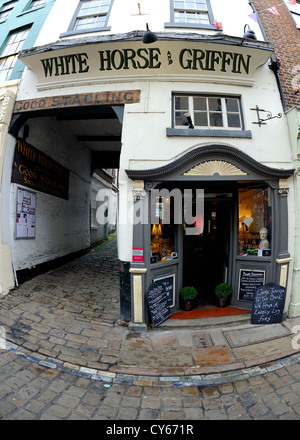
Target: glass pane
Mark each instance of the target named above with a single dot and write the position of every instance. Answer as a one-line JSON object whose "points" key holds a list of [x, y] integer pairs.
{"points": [[200, 119], [15, 43], [190, 17], [181, 103], [180, 118], [6, 67], [200, 104], [191, 4], [214, 104], [232, 105], [88, 22], [255, 222], [36, 3], [179, 5], [216, 119], [163, 234], [233, 120]]}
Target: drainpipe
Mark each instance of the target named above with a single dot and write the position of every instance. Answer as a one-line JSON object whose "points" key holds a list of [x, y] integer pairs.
{"points": [[275, 65]]}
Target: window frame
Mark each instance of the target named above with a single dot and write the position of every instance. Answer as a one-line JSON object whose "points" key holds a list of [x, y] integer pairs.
{"points": [[172, 22], [72, 31], [206, 131], [29, 8], [12, 54], [14, 2]]}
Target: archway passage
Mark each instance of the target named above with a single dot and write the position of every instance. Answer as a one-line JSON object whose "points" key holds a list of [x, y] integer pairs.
{"points": [[61, 147], [97, 128]]}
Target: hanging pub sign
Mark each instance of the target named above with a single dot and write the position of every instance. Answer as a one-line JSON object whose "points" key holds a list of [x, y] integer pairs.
{"points": [[36, 170]]}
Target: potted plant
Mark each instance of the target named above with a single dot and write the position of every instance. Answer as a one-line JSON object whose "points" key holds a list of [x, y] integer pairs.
{"points": [[187, 295], [223, 291]]}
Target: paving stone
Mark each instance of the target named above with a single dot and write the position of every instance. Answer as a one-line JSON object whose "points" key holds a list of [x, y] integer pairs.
{"points": [[54, 322]]}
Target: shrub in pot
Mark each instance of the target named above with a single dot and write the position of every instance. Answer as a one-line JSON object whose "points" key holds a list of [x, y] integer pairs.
{"points": [[223, 291], [187, 295]]}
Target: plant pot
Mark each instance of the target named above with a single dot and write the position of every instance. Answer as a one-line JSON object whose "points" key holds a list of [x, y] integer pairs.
{"points": [[222, 302], [187, 305]]}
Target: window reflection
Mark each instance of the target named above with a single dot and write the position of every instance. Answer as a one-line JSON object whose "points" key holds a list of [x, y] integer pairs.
{"points": [[255, 222]]}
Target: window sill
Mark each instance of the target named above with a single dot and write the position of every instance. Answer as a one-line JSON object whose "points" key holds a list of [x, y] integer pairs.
{"points": [[208, 133], [85, 31], [191, 26], [28, 11]]}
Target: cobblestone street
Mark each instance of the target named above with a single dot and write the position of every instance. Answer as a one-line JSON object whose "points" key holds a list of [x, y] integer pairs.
{"points": [[61, 329], [29, 391]]}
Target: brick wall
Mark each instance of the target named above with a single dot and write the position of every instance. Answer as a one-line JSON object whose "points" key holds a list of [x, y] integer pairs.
{"points": [[283, 33]]}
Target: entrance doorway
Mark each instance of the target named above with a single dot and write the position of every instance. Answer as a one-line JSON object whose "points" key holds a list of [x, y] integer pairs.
{"points": [[206, 256]]}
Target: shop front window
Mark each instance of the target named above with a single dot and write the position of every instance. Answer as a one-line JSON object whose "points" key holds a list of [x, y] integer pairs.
{"points": [[162, 246], [255, 222]]}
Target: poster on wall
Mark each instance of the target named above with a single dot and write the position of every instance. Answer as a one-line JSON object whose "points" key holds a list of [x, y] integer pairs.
{"points": [[25, 214], [249, 280]]}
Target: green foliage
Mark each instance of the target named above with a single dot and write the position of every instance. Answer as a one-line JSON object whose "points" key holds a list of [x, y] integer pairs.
{"points": [[188, 293], [223, 290]]}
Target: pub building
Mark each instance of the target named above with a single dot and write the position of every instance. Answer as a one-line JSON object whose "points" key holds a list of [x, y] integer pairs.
{"points": [[200, 139]]}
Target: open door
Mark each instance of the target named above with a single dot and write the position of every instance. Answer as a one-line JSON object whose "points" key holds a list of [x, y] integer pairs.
{"points": [[206, 256]]}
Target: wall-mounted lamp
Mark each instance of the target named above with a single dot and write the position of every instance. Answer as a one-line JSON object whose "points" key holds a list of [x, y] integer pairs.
{"points": [[189, 120], [149, 37], [249, 34]]}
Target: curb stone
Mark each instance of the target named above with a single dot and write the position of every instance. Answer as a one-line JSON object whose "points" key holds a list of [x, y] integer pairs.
{"points": [[196, 380]]}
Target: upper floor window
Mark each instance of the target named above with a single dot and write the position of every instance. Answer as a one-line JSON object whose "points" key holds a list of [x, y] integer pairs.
{"points": [[6, 10], [10, 52], [91, 15], [191, 13], [36, 4], [214, 112]]}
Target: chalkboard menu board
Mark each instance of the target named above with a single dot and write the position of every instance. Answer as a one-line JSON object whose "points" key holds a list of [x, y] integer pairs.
{"points": [[248, 282], [169, 283], [158, 303], [268, 304]]}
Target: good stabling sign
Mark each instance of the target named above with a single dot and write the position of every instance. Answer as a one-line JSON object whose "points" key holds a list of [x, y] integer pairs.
{"points": [[268, 304], [158, 303], [36, 170]]}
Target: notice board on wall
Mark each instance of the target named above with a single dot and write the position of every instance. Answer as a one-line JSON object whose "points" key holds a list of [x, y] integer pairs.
{"points": [[25, 214], [249, 280]]}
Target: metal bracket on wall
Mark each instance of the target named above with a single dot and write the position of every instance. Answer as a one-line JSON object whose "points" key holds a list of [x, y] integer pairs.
{"points": [[269, 116]]}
